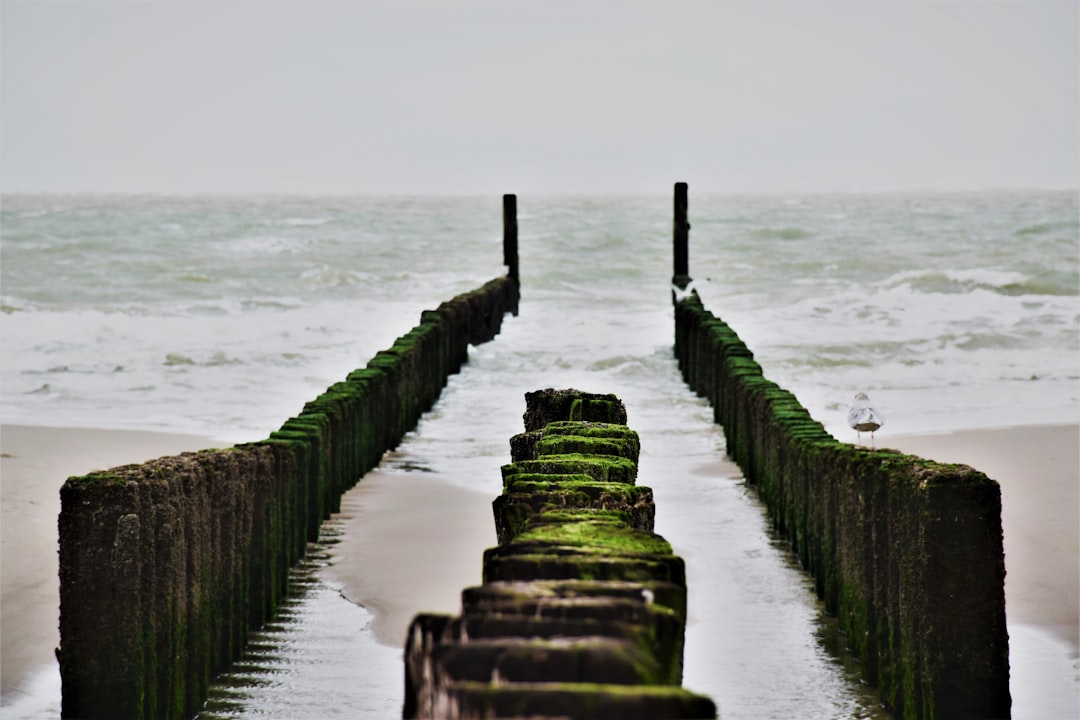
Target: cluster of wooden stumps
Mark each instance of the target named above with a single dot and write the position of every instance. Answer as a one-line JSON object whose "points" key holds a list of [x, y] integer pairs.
{"points": [[582, 609]]}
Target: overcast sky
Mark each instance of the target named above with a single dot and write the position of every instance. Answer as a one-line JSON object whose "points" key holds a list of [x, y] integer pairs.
{"points": [[488, 96]]}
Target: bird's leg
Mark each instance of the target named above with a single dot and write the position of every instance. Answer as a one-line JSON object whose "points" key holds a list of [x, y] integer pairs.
{"points": [[872, 440]]}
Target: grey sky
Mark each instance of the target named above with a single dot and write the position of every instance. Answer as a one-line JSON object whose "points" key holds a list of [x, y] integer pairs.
{"points": [[485, 96]]}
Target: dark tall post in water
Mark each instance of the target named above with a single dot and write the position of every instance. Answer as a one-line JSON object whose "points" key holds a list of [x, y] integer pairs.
{"points": [[682, 239], [510, 235]]}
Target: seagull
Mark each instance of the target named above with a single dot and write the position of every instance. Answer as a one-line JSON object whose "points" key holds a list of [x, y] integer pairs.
{"points": [[681, 294], [864, 418]]}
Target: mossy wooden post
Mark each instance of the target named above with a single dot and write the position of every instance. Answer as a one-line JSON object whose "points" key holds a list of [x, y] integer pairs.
{"points": [[582, 611], [166, 566], [682, 238], [510, 235], [907, 553]]}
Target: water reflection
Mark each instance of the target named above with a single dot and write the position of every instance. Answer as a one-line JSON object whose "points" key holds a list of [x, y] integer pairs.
{"points": [[317, 657]]}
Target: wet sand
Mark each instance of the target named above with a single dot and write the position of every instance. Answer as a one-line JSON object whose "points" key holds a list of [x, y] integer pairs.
{"points": [[414, 540]]}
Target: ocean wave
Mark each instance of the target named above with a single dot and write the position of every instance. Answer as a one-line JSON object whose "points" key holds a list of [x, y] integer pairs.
{"points": [[11, 305], [1047, 228], [194, 278], [326, 276], [270, 303], [80, 369], [839, 357], [617, 365], [782, 233], [1004, 282], [217, 359], [300, 221], [262, 245], [174, 359], [990, 341]]}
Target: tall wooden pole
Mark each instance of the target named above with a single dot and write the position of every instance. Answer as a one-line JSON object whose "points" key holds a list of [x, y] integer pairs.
{"points": [[682, 238], [510, 235]]}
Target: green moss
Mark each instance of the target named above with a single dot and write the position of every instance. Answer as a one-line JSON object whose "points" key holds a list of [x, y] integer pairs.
{"points": [[584, 445], [550, 479], [594, 490], [98, 479], [596, 409], [605, 531], [663, 638], [621, 440], [588, 429], [582, 564], [599, 467], [563, 515]]}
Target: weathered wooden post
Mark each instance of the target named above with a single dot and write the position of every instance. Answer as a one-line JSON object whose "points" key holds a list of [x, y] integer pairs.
{"points": [[582, 610], [682, 239], [510, 235], [166, 566]]}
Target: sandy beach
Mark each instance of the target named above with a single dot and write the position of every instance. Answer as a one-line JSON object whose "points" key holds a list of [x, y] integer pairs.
{"points": [[1038, 469], [36, 462], [414, 540]]}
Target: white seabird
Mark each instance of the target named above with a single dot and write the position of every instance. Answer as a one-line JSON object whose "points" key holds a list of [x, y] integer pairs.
{"points": [[681, 294], [864, 418]]}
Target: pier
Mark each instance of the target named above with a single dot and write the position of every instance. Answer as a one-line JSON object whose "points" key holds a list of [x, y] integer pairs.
{"points": [[171, 563]]}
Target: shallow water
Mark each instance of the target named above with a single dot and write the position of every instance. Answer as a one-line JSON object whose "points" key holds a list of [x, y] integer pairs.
{"points": [[316, 659]]}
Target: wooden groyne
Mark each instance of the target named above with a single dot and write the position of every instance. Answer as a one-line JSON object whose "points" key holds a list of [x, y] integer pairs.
{"points": [[167, 565], [582, 609], [906, 552]]}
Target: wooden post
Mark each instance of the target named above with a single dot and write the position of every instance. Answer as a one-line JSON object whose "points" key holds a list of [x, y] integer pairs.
{"points": [[682, 238], [510, 235]]}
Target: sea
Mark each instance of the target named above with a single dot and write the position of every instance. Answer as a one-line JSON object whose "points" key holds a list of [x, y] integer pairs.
{"points": [[222, 315]]}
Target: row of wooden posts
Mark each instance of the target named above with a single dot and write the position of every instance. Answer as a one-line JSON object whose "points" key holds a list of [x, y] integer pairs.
{"points": [[582, 610]]}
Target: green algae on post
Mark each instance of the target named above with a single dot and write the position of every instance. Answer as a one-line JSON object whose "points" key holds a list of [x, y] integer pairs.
{"points": [[907, 553], [166, 566], [583, 608]]}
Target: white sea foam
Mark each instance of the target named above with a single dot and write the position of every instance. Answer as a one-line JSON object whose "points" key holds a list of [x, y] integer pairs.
{"points": [[302, 221], [258, 245]]}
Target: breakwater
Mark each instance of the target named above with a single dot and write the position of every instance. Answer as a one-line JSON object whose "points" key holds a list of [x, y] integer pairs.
{"points": [[582, 609], [167, 565], [906, 552]]}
